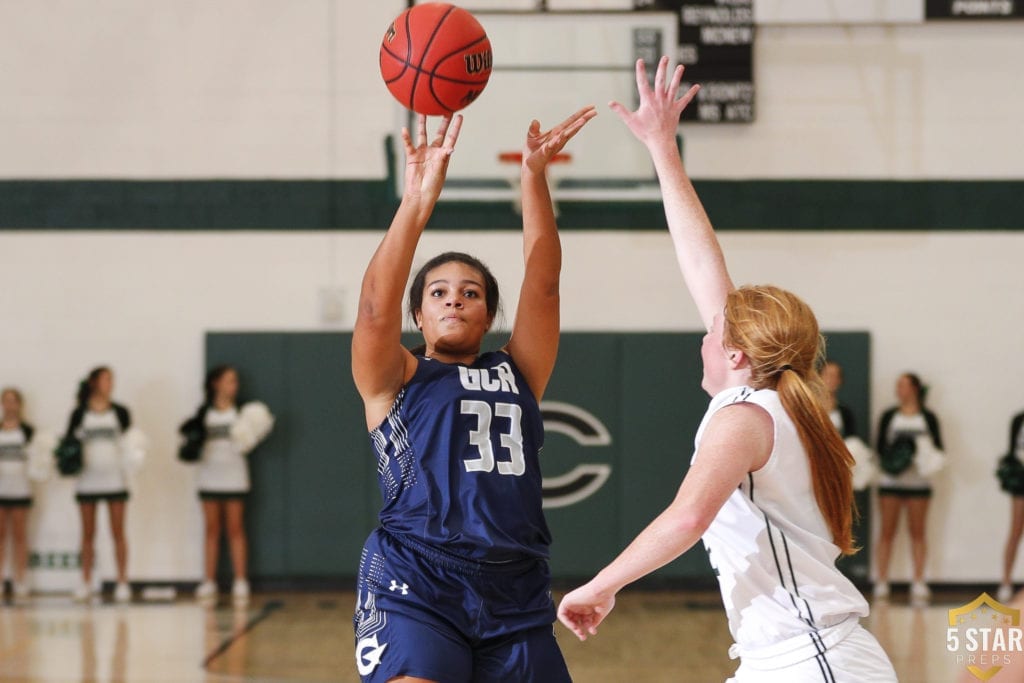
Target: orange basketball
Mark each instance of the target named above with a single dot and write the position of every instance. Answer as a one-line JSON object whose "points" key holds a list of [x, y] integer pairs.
{"points": [[435, 58]]}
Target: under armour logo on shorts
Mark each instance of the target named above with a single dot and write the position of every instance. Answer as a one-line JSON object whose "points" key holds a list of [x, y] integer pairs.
{"points": [[395, 586]]}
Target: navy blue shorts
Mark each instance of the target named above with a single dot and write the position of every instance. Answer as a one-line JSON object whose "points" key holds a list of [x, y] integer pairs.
{"points": [[425, 613]]}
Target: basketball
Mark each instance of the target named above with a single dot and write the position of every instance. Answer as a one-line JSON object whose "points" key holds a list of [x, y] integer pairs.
{"points": [[435, 58]]}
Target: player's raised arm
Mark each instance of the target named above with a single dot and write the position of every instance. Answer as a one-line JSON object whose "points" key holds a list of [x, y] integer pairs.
{"points": [[534, 342], [380, 365], [654, 123]]}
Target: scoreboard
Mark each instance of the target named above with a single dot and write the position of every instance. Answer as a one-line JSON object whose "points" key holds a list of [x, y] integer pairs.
{"points": [[716, 44], [974, 9]]}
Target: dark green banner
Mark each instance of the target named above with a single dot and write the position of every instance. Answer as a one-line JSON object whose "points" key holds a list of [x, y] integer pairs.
{"points": [[620, 413]]}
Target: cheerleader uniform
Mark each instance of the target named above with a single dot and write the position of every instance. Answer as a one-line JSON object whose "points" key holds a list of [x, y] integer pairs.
{"points": [[1017, 439], [895, 424], [842, 420], [15, 487], [223, 471], [102, 476], [794, 617]]}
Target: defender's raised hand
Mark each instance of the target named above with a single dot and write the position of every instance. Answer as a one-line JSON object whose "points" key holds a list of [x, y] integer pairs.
{"points": [[541, 147], [426, 164], [657, 117]]}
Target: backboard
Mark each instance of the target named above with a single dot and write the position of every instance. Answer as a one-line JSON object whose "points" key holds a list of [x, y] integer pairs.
{"points": [[546, 66]]}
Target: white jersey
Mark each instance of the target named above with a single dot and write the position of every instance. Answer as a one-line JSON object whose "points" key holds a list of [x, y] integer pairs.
{"points": [[14, 481], [772, 550], [912, 426], [102, 465], [222, 466]]}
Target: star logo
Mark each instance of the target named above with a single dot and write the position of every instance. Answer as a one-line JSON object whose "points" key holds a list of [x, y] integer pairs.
{"points": [[985, 635]]}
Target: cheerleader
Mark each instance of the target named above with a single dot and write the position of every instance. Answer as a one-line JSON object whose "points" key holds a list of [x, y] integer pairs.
{"points": [[20, 464], [100, 448], [218, 437], [864, 468], [1011, 475], [907, 433], [841, 415]]}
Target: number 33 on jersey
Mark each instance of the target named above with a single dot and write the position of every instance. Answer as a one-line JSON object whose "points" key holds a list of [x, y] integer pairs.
{"points": [[457, 455]]}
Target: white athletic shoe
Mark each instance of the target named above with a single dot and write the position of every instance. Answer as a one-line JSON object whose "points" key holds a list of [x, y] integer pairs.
{"points": [[919, 593], [881, 591], [1005, 593], [207, 590], [82, 592], [122, 592], [240, 591]]}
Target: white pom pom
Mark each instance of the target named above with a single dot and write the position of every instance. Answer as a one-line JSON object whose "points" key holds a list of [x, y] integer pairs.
{"points": [[41, 463], [929, 460], [134, 445], [252, 426], [864, 468]]}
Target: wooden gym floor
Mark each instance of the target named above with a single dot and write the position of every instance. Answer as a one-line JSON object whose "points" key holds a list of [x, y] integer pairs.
{"points": [[307, 638]]}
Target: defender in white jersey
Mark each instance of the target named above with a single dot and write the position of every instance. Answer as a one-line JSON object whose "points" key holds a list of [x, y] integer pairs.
{"points": [[770, 486]]}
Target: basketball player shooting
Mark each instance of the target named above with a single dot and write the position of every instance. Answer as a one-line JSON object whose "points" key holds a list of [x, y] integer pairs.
{"points": [[454, 584]]}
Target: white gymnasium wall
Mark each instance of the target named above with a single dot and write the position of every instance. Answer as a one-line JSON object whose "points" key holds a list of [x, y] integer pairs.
{"points": [[940, 304], [289, 89]]}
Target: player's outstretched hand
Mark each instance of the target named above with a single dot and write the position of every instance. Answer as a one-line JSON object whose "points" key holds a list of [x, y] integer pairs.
{"points": [[426, 163], [542, 146], [656, 119], [582, 610]]}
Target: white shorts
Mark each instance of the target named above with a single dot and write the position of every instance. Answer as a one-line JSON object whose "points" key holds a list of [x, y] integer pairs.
{"points": [[857, 658]]}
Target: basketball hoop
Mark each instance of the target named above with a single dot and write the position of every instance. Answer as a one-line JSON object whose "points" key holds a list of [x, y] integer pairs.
{"points": [[516, 158]]}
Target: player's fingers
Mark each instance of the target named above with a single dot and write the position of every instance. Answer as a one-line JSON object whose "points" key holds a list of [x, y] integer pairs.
{"points": [[576, 126], [659, 75], [407, 141], [421, 130], [620, 109], [685, 100], [453, 133], [677, 78], [576, 116], [442, 130], [568, 621], [642, 86]]}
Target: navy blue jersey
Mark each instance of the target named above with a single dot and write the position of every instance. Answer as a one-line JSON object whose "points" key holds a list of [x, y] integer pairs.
{"points": [[457, 461]]}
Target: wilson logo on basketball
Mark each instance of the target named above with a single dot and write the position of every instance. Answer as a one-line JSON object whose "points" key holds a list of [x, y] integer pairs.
{"points": [[478, 62]]}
